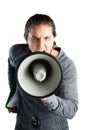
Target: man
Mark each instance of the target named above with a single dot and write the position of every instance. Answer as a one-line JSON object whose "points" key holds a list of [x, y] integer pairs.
{"points": [[49, 113]]}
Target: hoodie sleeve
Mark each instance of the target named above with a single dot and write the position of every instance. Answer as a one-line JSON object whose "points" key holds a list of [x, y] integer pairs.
{"points": [[65, 101], [11, 69], [12, 98]]}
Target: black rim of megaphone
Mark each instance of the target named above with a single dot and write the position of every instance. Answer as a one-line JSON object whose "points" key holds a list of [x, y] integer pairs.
{"points": [[34, 53]]}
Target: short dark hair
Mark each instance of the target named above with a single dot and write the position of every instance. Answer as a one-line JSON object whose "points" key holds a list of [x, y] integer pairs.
{"points": [[39, 19]]}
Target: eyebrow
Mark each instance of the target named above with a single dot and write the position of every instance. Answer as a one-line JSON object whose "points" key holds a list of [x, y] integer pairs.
{"points": [[35, 37], [38, 37]]}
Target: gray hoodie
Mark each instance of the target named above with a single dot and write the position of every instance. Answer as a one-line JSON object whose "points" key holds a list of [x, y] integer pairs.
{"points": [[53, 113]]}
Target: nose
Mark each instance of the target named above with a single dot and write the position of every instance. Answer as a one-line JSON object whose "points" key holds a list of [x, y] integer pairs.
{"points": [[41, 45]]}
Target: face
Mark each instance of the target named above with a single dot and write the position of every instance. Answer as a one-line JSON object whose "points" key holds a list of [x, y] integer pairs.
{"points": [[40, 38]]}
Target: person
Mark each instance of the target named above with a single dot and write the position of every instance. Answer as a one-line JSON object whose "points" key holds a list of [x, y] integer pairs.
{"points": [[52, 112]]}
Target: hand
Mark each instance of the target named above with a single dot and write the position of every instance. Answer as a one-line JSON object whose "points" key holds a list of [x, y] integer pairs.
{"points": [[13, 110]]}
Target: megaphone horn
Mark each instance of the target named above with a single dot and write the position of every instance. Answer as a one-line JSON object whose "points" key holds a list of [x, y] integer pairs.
{"points": [[39, 74]]}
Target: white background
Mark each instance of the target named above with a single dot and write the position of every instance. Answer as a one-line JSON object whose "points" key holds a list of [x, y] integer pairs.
{"points": [[70, 17]]}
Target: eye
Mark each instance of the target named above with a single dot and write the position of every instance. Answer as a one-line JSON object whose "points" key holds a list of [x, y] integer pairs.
{"points": [[35, 39], [47, 38]]}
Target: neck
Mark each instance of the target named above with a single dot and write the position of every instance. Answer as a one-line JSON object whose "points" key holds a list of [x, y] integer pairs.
{"points": [[54, 52]]}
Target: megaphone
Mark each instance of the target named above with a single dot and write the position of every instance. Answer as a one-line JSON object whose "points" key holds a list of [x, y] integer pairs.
{"points": [[39, 74]]}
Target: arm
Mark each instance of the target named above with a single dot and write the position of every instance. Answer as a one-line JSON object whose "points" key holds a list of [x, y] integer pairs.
{"points": [[11, 76], [16, 54], [12, 100], [65, 101]]}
